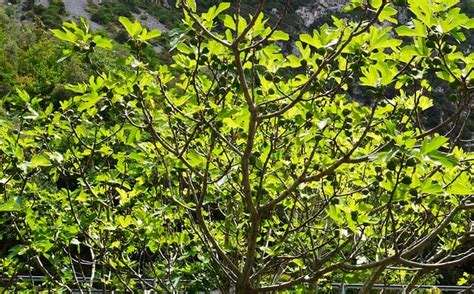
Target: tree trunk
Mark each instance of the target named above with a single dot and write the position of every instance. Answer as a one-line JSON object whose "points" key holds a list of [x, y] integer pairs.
{"points": [[244, 288], [369, 283]]}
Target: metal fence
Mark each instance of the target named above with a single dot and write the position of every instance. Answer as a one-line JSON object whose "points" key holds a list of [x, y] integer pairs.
{"points": [[354, 288], [337, 287]]}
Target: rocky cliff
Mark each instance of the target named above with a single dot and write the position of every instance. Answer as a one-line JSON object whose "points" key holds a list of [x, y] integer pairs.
{"points": [[319, 8], [306, 12]]}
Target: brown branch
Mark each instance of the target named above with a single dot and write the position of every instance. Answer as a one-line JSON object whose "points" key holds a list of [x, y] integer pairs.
{"points": [[326, 61], [201, 26], [304, 179], [437, 265], [250, 25], [369, 283]]}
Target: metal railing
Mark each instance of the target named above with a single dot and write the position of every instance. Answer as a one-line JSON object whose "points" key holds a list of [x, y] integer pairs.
{"points": [[340, 288], [343, 288]]}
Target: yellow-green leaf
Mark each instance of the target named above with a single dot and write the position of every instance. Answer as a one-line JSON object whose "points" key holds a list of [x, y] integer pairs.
{"points": [[132, 28], [39, 161]]}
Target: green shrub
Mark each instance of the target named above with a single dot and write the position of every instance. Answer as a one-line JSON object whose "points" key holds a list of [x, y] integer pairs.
{"points": [[51, 16], [108, 11]]}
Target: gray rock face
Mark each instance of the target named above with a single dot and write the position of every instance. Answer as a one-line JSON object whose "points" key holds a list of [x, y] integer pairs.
{"points": [[150, 22], [78, 8], [43, 2], [309, 13], [319, 8], [162, 2]]}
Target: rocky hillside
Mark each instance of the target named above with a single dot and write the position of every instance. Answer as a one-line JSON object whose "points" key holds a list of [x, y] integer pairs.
{"points": [[303, 14], [311, 12]]}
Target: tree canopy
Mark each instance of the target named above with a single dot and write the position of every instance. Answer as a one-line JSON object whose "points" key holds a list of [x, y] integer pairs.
{"points": [[241, 166]]}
